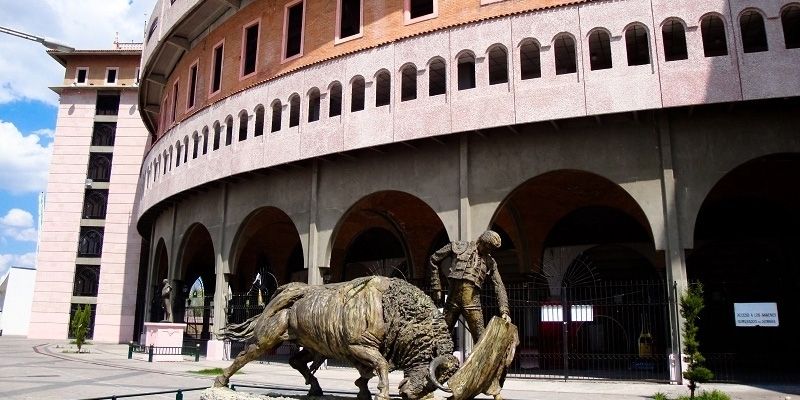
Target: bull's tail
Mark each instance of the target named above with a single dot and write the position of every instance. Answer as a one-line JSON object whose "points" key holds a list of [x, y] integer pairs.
{"points": [[283, 298]]}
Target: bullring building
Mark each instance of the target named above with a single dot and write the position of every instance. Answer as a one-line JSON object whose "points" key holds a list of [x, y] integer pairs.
{"points": [[622, 149]]}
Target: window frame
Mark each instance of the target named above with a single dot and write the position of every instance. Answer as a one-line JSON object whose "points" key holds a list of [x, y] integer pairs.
{"points": [[407, 20], [255, 22], [338, 39], [116, 76], [77, 73], [685, 54], [706, 28], [211, 91], [285, 40], [604, 50], [173, 116], [748, 47], [191, 94]]}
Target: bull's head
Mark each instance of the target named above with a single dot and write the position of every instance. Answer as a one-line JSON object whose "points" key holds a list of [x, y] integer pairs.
{"points": [[423, 380]]}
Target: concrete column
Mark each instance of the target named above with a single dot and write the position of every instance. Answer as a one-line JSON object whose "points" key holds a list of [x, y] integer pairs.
{"points": [[311, 251], [675, 260], [215, 349]]}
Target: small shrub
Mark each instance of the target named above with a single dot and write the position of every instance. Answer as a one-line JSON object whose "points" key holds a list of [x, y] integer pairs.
{"points": [[713, 395], [660, 396], [692, 304], [80, 325]]}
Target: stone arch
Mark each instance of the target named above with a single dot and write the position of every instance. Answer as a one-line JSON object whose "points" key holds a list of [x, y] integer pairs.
{"points": [[389, 219], [554, 211], [266, 243], [196, 261], [745, 251]]}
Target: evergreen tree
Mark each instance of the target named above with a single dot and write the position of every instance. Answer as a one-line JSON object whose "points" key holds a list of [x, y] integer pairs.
{"points": [[80, 325], [692, 304]]}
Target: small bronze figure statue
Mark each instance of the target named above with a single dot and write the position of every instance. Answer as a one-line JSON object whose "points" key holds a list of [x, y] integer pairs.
{"points": [[471, 264], [166, 298]]}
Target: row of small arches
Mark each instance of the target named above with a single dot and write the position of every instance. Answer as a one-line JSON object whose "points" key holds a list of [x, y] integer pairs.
{"points": [[637, 43]]}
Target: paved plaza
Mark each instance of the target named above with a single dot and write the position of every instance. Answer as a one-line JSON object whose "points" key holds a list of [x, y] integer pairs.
{"points": [[36, 369]]}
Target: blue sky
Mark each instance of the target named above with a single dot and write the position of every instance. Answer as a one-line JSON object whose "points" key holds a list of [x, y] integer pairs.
{"points": [[28, 108]]}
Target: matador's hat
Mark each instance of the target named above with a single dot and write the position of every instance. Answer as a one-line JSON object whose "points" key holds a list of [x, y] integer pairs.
{"points": [[491, 238]]}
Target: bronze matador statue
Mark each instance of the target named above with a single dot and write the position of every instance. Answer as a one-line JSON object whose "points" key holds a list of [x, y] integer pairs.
{"points": [[471, 264]]}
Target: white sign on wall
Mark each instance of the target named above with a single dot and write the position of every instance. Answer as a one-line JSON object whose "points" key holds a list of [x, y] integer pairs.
{"points": [[756, 314]]}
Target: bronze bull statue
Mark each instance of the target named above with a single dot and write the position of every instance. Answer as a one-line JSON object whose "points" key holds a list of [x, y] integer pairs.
{"points": [[378, 324]]}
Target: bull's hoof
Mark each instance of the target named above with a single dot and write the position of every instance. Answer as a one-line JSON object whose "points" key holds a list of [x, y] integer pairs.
{"points": [[315, 390], [364, 395], [221, 381]]}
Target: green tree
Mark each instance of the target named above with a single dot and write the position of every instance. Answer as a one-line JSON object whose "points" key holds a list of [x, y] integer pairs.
{"points": [[692, 304], [80, 325]]}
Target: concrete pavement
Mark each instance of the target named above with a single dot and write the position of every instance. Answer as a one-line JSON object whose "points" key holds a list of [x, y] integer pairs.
{"points": [[40, 370]]}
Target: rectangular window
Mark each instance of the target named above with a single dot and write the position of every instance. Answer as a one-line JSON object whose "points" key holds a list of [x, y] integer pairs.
{"points": [[82, 76], [136, 79], [293, 30], [173, 114], [250, 49], [350, 19], [420, 10], [107, 103], [111, 75], [216, 68], [192, 87]]}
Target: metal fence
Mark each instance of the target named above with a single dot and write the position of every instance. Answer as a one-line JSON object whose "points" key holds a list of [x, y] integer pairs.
{"points": [[609, 330]]}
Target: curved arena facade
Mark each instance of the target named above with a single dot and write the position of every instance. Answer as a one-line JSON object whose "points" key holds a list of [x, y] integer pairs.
{"points": [[622, 149]]}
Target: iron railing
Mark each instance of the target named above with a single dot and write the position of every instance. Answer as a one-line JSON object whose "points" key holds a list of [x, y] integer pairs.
{"points": [[193, 351]]}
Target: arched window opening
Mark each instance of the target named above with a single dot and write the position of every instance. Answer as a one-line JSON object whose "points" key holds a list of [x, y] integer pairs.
{"points": [[165, 163], [205, 140], [498, 66], [217, 131], [754, 35], [100, 167], [228, 130], [383, 89], [637, 45], [790, 19], [178, 154], [243, 117], [294, 110], [715, 43], [186, 145], [674, 36], [94, 204], [195, 145], [437, 78], [466, 71], [335, 100], [313, 105], [259, 130], [277, 111], [530, 60], [408, 83], [90, 243], [103, 133], [564, 50], [357, 99], [599, 50], [87, 280]]}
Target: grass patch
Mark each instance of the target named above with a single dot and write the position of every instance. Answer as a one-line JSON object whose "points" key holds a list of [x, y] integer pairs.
{"points": [[704, 395], [212, 371]]}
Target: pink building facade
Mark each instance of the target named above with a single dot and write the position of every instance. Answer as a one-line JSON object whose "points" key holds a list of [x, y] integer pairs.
{"points": [[89, 250]]}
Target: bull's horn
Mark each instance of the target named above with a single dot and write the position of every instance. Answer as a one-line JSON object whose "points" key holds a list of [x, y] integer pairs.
{"points": [[432, 373]]}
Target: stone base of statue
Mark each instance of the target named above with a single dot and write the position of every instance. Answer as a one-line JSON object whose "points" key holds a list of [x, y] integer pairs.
{"points": [[223, 393], [218, 350], [165, 337]]}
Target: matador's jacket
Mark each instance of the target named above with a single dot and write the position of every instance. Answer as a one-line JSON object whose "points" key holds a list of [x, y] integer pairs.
{"points": [[468, 265]]}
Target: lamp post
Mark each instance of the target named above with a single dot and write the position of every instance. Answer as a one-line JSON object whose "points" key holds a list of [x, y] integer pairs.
{"points": [[52, 45]]}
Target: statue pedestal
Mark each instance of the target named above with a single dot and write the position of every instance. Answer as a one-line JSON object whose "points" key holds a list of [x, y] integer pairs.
{"points": [[218, 350], [164, 334]]}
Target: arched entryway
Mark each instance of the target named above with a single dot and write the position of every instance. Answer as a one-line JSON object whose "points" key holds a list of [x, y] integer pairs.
{"points": [[388, 233], [266, 253], [584, 279], [746, 240], [160, 272], [193, 296]]}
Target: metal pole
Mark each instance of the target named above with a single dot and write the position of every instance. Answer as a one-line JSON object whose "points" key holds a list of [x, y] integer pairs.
{"points": [[130, 350], [150, 354], [197, 353], [564, 329], [179, 395]]}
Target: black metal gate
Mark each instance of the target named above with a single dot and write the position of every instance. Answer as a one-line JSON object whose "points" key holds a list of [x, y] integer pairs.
{"points": [[609, 330]]}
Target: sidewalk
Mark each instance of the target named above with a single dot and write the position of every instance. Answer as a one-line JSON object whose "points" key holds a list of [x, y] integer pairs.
{"points": [[35, 369]]}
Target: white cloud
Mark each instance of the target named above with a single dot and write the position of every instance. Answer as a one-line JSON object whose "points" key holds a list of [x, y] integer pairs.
{"points": [[17, 218], [83, 24], [45, 132], [27, 260], [18, 225], [23, 161]]}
